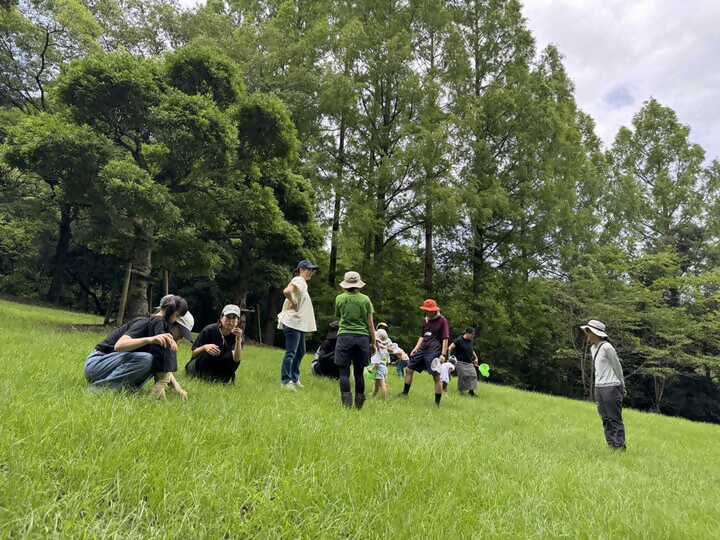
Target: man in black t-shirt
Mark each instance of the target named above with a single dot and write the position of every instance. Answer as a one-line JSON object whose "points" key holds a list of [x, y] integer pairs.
{"points": [[467, 362], [217, 351]]}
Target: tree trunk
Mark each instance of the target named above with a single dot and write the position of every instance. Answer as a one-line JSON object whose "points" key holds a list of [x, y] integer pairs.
{"points": [[272, 308], [332, 270], [477, 260], [62, 248], [428, 281], [141, 259]]}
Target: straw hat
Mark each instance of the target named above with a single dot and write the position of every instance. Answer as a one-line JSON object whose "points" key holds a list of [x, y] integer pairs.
{"points": [[596, 327], [352, 280]]}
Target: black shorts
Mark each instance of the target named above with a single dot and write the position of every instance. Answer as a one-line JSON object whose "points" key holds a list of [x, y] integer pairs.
{"points": [[422, 360], [352, 349]]}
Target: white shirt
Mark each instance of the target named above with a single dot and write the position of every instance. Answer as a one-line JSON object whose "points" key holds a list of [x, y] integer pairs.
{"points": [[303, 318], [445, 369], [608, 371]]}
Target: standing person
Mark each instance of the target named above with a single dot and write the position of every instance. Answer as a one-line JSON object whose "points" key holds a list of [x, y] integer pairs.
{"points": [[379, 370], [143, 348], [217, 351], [467, 362], [431, 348], [356, 337], [609, 383], [296, 319]]}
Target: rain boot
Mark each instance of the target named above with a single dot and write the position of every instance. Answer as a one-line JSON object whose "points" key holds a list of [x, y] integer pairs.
{"points": [[346, 398], [359, 400]]}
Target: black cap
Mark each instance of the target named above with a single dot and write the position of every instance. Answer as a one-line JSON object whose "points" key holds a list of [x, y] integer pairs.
{"points": [[307, 265]]}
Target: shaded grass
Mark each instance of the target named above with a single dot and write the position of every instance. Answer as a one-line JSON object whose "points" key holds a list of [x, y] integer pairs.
{"points": [[252, 461]]}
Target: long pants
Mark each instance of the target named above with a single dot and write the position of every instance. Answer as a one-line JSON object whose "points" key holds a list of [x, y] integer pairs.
{"points": [[352, 350], [358, 373], [609, 399], [118, 370], [294, 352]]}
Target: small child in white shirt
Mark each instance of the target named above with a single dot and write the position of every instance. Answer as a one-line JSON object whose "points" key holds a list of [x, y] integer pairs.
{"points": [[378, 366], [445, 369]]}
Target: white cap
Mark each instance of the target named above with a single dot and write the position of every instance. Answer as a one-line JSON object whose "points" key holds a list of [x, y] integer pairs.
{"points": [[186, 323], [231, 308]]}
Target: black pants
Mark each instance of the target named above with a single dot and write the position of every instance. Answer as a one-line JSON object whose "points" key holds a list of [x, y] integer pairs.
{"points": [[355, 351], [609, 400], [212, 368]]}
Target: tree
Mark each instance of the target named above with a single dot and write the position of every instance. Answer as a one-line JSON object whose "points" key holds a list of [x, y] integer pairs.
{"points": [[36, 38], [179, 145], [68, 158]]}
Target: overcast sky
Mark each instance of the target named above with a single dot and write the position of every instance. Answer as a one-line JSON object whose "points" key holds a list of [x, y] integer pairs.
{"points": [[620, 53]]}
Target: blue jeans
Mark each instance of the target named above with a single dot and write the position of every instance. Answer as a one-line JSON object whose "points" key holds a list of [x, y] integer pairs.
{"points": [[294, 352], [118, 370]]}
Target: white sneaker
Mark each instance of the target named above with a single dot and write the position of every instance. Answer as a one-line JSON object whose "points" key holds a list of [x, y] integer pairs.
{"points": [[288, 386], [299, 385]]}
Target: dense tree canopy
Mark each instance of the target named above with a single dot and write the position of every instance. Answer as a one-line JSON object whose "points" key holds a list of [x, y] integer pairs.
{"points": [[428, 144]]}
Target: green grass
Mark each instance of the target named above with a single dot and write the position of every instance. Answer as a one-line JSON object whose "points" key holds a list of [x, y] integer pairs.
{"points": [[252, 461]]}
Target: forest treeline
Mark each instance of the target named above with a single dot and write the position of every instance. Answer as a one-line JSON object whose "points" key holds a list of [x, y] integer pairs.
{"points": [[427, 144]]}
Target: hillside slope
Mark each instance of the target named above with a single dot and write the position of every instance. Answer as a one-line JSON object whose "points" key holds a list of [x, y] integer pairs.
{"points": [[252, 461]]}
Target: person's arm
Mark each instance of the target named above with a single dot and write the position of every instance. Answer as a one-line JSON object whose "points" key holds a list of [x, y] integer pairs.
{"points": [[371, 326], [201, 345], [416, 347], [289, 292], [446, 338], [476, 360], [237, 351], [127, 343], [615, 365], [451, 348]]}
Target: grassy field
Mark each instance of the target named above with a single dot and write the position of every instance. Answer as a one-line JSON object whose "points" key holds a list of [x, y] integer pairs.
{"points": [[252, 461]]}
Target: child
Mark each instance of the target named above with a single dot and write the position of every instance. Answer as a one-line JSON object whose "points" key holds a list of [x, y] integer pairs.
{"points": [[379, 368], [445, 369]]}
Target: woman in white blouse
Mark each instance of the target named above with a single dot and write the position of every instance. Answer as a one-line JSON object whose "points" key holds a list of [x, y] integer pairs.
{"points": [[296, 319]]}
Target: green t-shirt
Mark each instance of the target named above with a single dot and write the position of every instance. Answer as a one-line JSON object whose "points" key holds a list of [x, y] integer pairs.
{"points": [[353, 310]]}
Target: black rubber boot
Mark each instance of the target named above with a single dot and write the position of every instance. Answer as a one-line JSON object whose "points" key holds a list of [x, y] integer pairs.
{"points": [[346, 398], [359, 401]]}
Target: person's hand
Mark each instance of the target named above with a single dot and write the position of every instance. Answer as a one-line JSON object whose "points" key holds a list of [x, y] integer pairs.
{"points": [[237, 332], [182, 393], [212, 349], [166, 341], [624, 391], [413, 352]]}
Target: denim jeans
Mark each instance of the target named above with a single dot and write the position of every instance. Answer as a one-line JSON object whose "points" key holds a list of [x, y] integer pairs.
{"points": [[118, 370], [294, 352]]}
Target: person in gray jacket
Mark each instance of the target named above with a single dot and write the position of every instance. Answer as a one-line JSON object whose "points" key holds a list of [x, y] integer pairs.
{"points": [[609, 383]]}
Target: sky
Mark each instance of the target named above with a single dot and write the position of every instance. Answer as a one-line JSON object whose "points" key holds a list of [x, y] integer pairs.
{"points": [[620, 53]]}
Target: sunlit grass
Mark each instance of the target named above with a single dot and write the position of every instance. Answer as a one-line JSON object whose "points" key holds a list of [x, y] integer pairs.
{"points": [[253, 461]]}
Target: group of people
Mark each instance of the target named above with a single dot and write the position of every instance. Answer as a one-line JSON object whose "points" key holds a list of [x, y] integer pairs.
{"points": [[147, 348]]}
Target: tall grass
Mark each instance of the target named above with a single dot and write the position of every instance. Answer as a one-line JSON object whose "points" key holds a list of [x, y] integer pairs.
{"points": [[253, 461]]}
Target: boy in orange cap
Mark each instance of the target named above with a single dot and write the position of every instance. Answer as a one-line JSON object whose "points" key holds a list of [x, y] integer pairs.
{"points": [[431, 348]]}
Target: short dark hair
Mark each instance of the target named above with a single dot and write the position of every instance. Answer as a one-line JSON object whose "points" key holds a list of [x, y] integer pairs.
{"points": [[469, 330], [173, 304]]}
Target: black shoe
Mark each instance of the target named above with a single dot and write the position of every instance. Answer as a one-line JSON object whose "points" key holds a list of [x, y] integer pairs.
{"points": [[359, 401], [403, 395], [346, 399]]}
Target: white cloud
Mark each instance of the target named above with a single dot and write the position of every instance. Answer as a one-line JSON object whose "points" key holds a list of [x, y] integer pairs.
{"points": [[621, 53]]}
